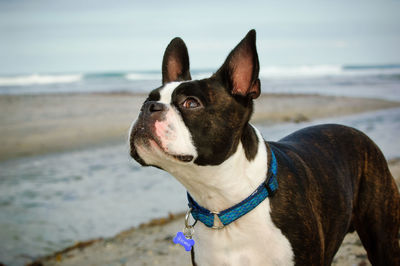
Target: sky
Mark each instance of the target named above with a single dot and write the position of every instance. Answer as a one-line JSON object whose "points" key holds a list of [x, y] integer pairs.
{"points": [[47, 36]]}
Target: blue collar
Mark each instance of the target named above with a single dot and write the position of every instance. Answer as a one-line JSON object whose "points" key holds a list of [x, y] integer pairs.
{"points": [[231, 214]]}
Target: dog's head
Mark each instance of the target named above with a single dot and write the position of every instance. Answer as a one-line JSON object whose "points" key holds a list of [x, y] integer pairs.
{"points": [[198, 121]]}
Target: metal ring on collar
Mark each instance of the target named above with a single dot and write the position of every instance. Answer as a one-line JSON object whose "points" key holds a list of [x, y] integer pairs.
{"points": [[187, 216]]}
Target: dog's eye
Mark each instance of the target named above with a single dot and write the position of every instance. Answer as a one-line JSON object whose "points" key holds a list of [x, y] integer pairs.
{"points": [[190, 103]]}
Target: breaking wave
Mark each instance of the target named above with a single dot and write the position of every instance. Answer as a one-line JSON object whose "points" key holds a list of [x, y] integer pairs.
{"points": [[36, 79]]}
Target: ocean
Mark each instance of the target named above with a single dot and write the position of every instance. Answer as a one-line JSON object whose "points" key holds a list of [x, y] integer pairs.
{"points": [[49, 202], [379, 81]]}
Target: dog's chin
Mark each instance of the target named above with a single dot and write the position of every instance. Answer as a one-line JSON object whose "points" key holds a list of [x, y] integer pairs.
{"points": [[150, 153]]}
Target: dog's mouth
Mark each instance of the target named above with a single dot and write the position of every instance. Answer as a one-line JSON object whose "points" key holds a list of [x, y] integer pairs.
{"points": [[180, 157], [184, 158], [142, 139]]}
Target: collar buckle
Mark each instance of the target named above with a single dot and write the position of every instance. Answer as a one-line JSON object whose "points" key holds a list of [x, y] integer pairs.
{"points": [[218, 225]]}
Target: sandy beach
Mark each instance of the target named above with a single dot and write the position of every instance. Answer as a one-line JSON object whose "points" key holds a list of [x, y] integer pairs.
{"points": [[42, 124]]}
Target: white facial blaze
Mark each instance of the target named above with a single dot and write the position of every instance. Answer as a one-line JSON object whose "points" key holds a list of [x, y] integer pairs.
{"points": [[166, 92], [172, 133]]}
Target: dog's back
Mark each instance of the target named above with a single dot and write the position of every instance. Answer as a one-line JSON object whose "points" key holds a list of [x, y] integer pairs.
{"points": [[343, 184]]}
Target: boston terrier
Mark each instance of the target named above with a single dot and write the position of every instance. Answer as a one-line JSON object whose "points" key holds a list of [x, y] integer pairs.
{"points": [[256, 202]]}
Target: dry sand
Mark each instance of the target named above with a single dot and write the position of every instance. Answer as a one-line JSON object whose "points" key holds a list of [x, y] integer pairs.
{"points": [[38, 124]]}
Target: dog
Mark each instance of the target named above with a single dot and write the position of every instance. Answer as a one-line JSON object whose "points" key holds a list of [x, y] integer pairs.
{"points": [[257, 202]]}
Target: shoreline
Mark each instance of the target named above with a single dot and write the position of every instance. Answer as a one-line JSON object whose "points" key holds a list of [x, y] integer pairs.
{"points": [[151, 244], [43, 124]]}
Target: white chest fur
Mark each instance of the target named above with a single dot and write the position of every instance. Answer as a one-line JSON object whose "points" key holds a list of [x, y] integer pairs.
{"points": [[251, 240]]}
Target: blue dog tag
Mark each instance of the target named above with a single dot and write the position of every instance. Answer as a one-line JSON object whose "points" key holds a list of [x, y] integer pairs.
{"points": [[182, 240]]}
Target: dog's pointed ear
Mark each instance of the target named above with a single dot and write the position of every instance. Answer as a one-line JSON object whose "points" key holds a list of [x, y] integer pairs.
{"points": [[241, 68], [175, 65]]}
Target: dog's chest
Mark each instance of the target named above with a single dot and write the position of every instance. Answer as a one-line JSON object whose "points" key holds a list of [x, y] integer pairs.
{"points": [[251, 240]]}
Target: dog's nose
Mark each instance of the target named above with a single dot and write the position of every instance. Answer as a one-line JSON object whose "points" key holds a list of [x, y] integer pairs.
{"points": [[154, 107]]}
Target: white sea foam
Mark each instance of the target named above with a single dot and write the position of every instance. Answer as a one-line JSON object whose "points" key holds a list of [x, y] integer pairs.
{"points": [[300, 71], [38, 79], [314, 71], [157, 76], [143, 76]]}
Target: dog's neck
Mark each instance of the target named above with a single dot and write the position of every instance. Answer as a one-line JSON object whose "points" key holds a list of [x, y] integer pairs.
{"points": [[220, 187]]}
